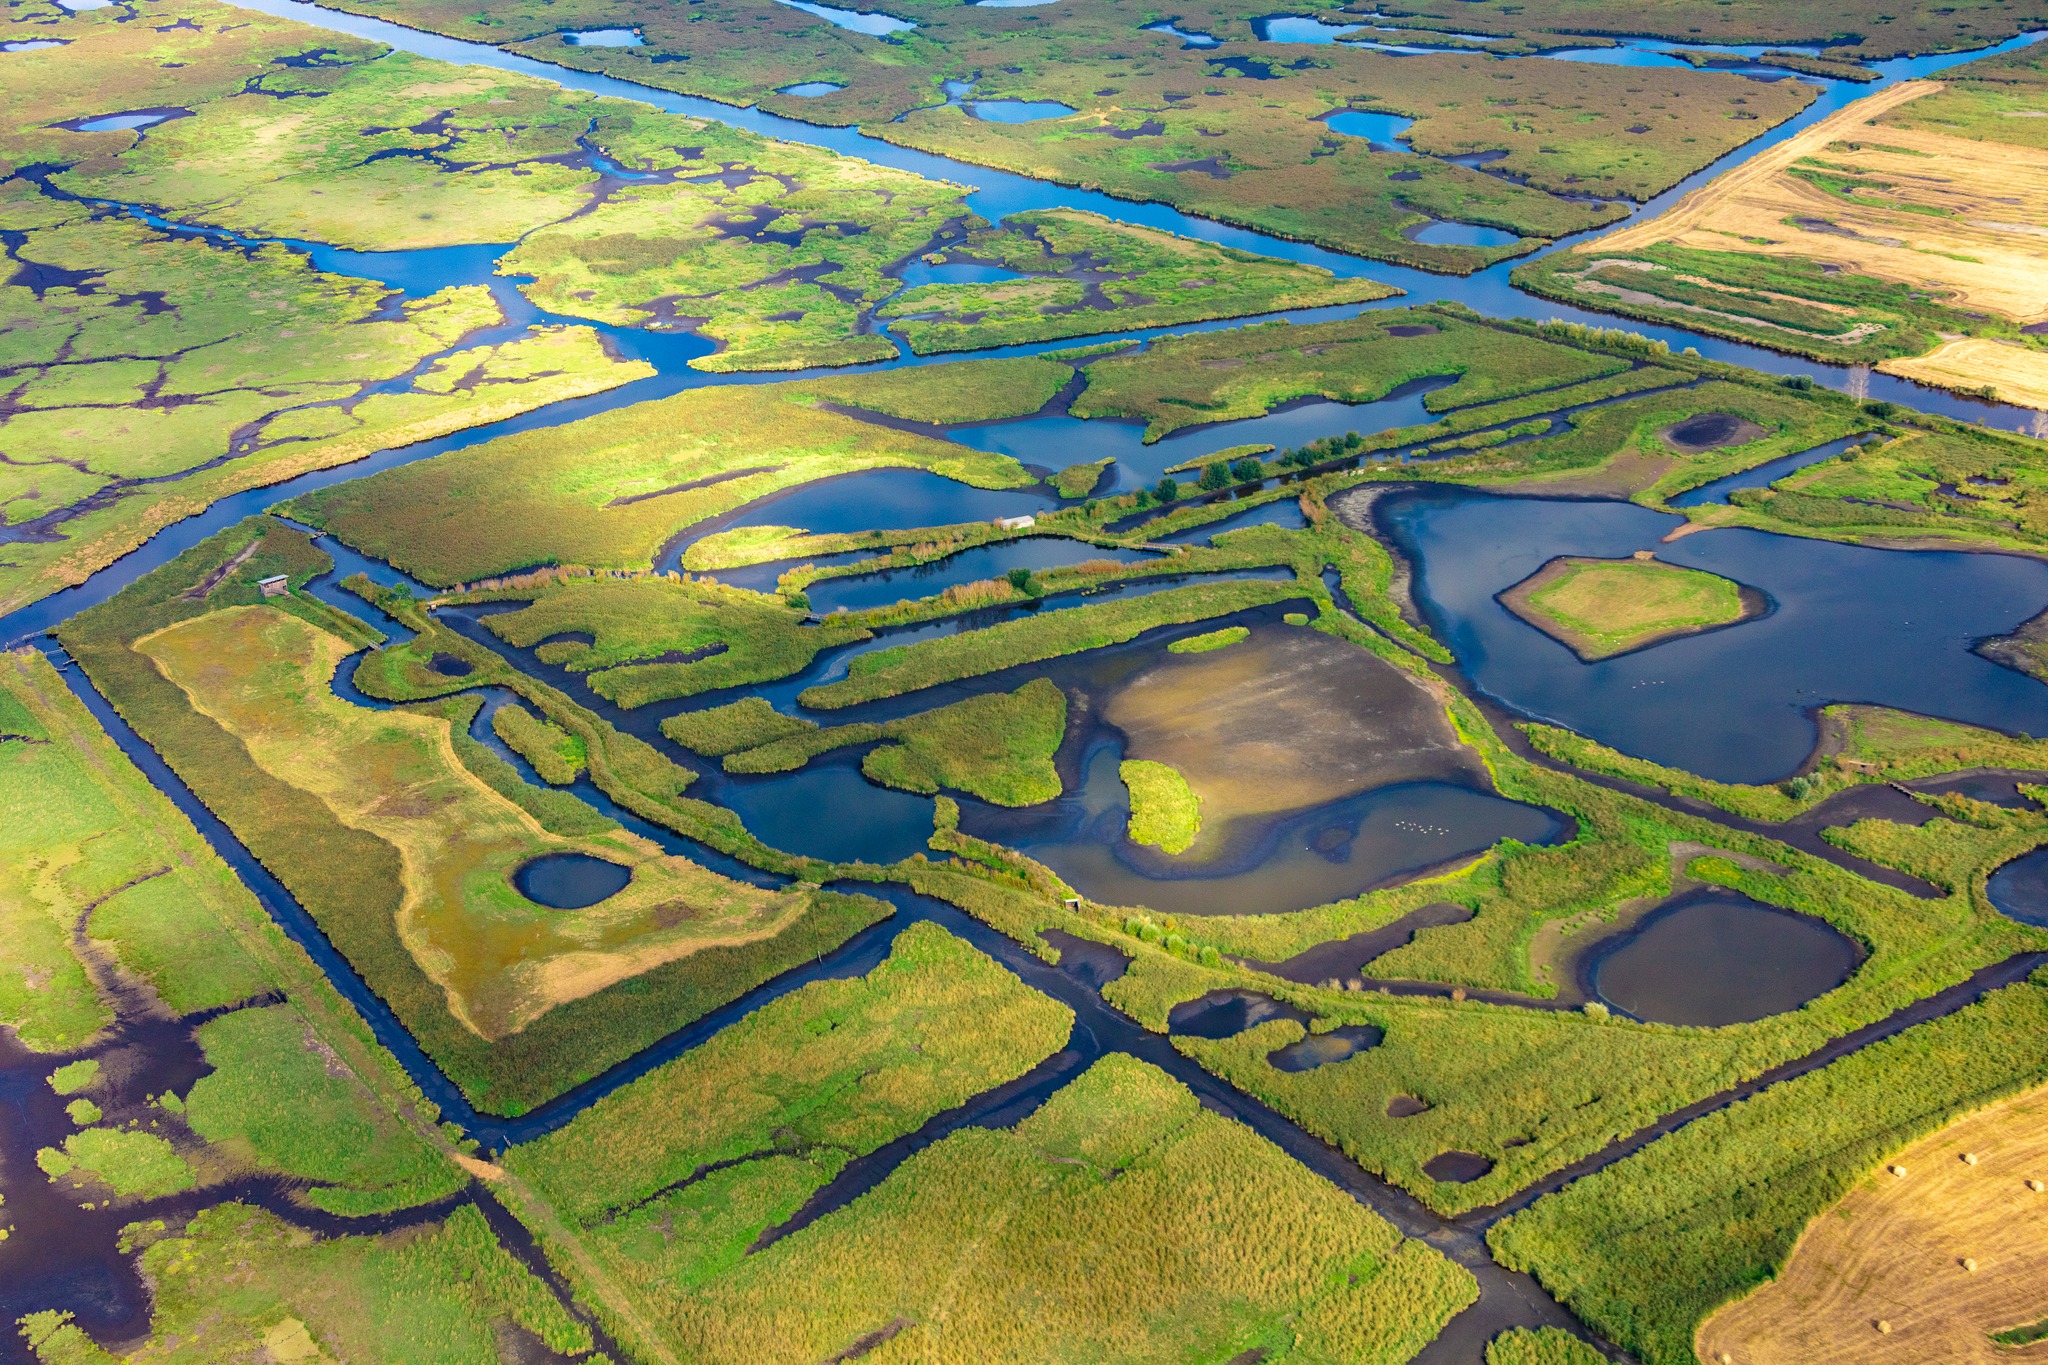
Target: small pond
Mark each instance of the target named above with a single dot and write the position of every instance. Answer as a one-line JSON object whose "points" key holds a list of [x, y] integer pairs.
{"points": [[1096, 964], [448, 666], [1456, 1168], [1384, 131], [2020, 888], [1297, 28], [882, 500], [920, 271], [1225, 1014], [1187, 39], [810, 90], [110, 123], [1018, 111], [31, 45], [969, 566], [1440, 233], [604, 37], [570, 881], [1715, 957], [1321, 1049], [860, 21]]}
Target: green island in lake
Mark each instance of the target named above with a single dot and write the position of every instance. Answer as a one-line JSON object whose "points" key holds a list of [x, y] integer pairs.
{"points": [[771, 683]]}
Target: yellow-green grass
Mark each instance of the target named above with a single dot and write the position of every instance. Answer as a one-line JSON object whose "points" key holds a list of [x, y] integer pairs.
{"points": [[782, 1100], [596, 492], [972, 391], [1135, 1223], [73, 1077], [1165, 812], [1598, 608], [352, 882], [238, 1283], [1079, 480], [263, 676], [127, 1161], [266, 369], [734, 727], [1858, 744], [275, 1099], [998, 746], [1540, 1346], [1208, 640], [635, 619], [554, 753], [1033, 639], [1645, 1249], [1221, 376]]}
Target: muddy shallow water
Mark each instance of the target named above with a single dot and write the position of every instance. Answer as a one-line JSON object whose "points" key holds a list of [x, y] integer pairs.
{"points": [[1713, 957]]}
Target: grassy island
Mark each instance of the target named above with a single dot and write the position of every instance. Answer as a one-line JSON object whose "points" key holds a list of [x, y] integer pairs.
{"points": [[1165, 812], [1599, 608]]}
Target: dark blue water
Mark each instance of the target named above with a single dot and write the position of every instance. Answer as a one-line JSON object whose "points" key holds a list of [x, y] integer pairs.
{"points": [[885, 500], [1715, 957], [2020, 888], [1892, 628], [1322, 1049], [1225, 1014], [1460, 234], [1187, 39], [1285, 512], [570, 881], [969, 566], [1296, 28]]}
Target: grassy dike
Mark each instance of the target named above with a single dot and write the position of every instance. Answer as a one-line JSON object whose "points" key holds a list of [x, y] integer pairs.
{"points": [[298, 1088], [1138, 1224], [351, 881], [1647, 1248]]}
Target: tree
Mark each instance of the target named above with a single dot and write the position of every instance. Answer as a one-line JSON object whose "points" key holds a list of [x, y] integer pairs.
{"points": [[1215, 477], [1247, 470], [1168, 489]]}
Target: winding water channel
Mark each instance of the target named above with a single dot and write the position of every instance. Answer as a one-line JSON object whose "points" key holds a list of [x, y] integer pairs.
{"points": [[1674, 703]]}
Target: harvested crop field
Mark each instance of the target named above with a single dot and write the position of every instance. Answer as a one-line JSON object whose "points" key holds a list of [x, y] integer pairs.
{"points": [[2019, 374], [1913, 1268], [1903, 204]]}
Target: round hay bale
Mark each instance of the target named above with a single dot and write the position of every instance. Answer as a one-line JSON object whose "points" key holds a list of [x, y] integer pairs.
{"points": [[1884, 1328], [1969, 1158]]}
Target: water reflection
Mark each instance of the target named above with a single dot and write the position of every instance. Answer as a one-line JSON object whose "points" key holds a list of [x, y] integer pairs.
{"points": [[1885, 627], [1716, 957]]}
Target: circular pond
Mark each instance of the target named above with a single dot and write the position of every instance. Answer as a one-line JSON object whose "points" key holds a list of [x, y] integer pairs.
{"points": [[448, 666], [2020, 888], [1456, 1168], [1715, 957], [570, 881]]}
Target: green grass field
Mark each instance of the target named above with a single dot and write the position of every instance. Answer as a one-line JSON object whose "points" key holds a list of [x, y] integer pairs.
{"points": [[1602, 607], [1165, 812]]}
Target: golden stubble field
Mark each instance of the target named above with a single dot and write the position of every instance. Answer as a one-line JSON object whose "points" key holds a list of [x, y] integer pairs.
{"points": [[1895, 1254]]}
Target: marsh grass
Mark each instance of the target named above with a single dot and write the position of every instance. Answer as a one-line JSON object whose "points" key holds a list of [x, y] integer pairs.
{"points": [[1165, 812]]}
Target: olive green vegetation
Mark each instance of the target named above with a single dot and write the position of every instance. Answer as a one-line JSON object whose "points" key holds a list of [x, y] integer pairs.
{"points": [[667, 1181], [1788, 303], [73, 1077], [1139, 1225], [1208, 640], [1602, 607], [128, 1162], [754, 638], [348, 879], [1079, 480], [1085, 274], [1542, 1346], [554, 753], [972, 390], [709, 228], [1964, 843], [2022, 1336], [748, 723], [1858, 744], [998, 746], [1033, 639], [238, 1283], [1645, 1249], [1165, 812], [1945, 482], [1232, 134], [162, 378], [1220, 376], [608, 491]]}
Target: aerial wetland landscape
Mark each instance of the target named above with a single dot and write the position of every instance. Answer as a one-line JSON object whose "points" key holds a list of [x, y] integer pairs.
{"points": [[1023, 680]]}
